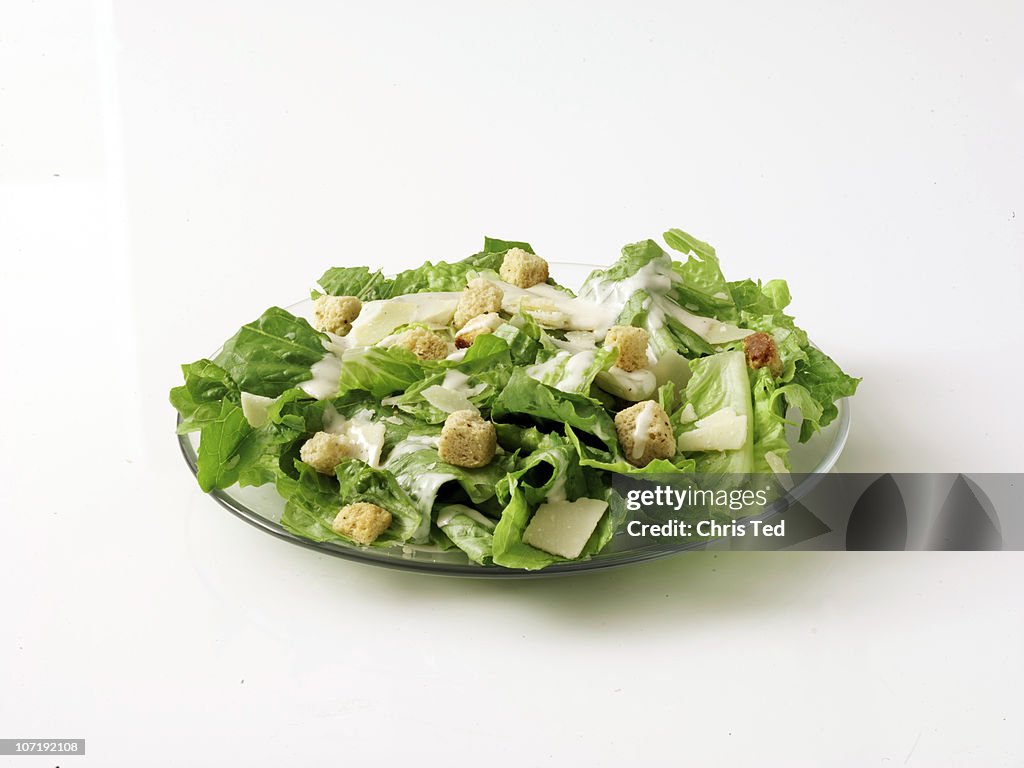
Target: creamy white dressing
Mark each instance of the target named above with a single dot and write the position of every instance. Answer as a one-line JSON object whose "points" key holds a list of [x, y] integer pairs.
{"points": [[553, 308], [325, 375], [566, 371], [708, 328], [412, 444], [574, 375], [423, 489], [545, 372], [576, 341], [656, 277], [653, 277], [450, 513], [642, 429], [557, 492], [457, 381]]}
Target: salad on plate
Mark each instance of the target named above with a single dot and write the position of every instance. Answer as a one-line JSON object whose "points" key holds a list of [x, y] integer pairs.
{"points": [[481, 406]]}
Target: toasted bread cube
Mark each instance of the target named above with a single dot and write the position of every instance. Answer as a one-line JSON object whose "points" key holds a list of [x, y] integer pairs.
{"points": [[632, 345], [467, 440], [426, 345], [478, 326], [324, 451], [479, 298], [645, 433], [523, 268], [336, 313], [762, 352], [362, 522]]}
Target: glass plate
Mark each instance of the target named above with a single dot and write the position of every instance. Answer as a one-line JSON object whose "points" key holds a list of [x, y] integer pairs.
{"points": [[262, 506]]}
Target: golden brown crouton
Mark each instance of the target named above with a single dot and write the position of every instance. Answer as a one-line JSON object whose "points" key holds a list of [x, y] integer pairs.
{"points": [[479, 298], [467, 440], [645, 433], [426, 345], [323, 451], [523, 268], [478, 326], [632, 345], [362, 522], [336, 313], [761, 351]]}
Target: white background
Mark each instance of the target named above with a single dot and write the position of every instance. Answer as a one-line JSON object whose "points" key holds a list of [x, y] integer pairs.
{"points": [[168, 170]]}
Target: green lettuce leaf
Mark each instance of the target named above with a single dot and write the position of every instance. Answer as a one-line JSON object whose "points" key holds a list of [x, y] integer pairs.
{"points": [[468, 530], [354, 281], [769, 421], [526, 398], [572, 372], [826, 383], [198, 400], [380, 371], [273, 353], [721, 381], [313, 500]]}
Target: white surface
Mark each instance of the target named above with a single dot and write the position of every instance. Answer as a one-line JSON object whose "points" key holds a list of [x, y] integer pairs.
{"points": [[169, 170]]}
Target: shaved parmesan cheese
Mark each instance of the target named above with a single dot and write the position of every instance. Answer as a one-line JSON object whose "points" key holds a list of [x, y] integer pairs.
{"points": [[723, 430], [688, 414], [254, 408], [629, 385], [672, 366], [378, 319], [447, 400], [563, 527]]}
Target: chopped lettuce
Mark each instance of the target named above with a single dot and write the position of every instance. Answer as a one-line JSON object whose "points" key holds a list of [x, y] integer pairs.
{"points": [[543, 378]]}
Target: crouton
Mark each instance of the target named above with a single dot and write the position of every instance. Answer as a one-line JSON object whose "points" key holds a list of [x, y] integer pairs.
{"points": [[323, 451], [761, 352], [362, 522], [645, 433], [336, 313], [523, 268], [467, 440], [426, 345], [632, 345], [478, 326], [479, 298]]}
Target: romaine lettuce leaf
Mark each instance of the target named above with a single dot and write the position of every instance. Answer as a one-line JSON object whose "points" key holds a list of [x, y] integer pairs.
{"points": [[526, 398], [313, 500], [380, 371], [825, 382], [769, 422], [273, 353], [572, 372], [468, 530], [720, 381], [198, 400]]}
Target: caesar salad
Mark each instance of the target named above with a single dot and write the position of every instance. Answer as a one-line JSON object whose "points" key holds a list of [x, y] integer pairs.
{"points": [[481, 406]]}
